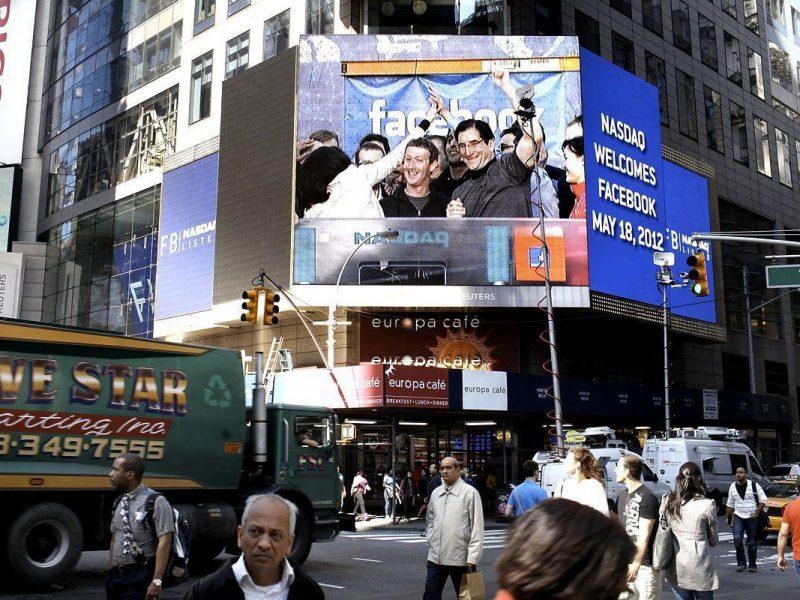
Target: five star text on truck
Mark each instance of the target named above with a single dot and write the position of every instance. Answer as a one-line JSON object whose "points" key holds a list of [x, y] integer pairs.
{"points": [[71, 401]]}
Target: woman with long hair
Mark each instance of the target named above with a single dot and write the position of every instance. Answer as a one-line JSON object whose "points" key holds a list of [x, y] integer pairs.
{"points": [[584, 481], [693, 519]]}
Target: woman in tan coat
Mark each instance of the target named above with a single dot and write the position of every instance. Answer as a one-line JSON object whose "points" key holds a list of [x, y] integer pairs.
{"points": [[693, 519]]}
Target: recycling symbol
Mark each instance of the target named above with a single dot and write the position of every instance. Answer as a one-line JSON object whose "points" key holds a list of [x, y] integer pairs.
{"points": [[217, 393]]}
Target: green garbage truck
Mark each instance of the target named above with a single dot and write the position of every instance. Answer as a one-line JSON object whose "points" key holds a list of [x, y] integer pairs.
{"points": [[73, 400]]}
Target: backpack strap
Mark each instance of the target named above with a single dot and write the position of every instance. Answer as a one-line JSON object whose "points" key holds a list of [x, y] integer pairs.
{"points": [[149, 509], [755, 494]]}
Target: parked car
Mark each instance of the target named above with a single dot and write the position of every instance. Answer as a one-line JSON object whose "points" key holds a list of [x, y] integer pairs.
{"points": [[783, 471], [779, 494]]}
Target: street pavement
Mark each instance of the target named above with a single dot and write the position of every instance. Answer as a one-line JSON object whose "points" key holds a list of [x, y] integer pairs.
{"points": [[382, 560]]}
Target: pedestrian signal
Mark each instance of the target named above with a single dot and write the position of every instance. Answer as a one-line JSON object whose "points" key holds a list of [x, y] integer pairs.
{"points": [[698, 276], [271, 308], [250, 306]]}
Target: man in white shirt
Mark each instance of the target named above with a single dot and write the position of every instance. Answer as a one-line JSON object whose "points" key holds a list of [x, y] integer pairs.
{"points": [[746, 500], [454, 510], [263, 571]]}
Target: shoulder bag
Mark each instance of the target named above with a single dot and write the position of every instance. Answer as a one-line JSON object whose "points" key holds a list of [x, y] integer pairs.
{"points": [[763, 518], [663, 545]]}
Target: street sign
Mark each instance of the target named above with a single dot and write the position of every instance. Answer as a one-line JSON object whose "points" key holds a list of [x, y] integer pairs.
{"points": [[783, 276]]}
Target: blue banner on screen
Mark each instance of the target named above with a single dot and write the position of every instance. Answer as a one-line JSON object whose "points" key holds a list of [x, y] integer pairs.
{"points": [[628, 210], [186, 238], [393, 105]]}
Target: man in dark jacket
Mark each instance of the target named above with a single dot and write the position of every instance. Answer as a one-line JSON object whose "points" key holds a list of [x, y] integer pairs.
{"points": [[265, 537], [416, 198]]}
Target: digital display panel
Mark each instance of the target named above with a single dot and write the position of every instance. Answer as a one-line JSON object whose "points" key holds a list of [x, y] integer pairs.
{"points": [[369, 86], [638, 204]]}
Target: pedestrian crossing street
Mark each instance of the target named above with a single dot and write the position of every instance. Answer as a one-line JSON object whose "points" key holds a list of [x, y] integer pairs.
{"points": [[493, 538]]}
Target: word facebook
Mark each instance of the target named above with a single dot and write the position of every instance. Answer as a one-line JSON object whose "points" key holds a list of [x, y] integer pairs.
{"points": [[396, 123]]}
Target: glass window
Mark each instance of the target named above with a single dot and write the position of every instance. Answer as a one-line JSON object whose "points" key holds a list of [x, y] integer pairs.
{"points": [[796, 25], [756, 73], [276, 34], [733, 61], [713, 109], [312, 431], [237, 54], [622, 52], [319, 16], [780, 66], [588, 31], [656, 73], [776, 12], [776, 376], [708, 42], [623, 6], [784, 164], [751, 15], [681, 29], [687, 112], [797, 155], [204, 9], [762, 146], [729, 6], [739, 134], [651, 16], [200, 100]]}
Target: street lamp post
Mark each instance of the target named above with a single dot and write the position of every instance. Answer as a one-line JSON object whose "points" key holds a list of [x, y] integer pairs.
{"points": [[389, 234]]}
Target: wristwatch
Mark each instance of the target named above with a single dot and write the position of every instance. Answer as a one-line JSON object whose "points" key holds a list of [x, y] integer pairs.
{"points": [[157, 582]]}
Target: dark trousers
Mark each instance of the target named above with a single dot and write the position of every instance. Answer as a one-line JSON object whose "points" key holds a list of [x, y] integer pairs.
{"points": [[437, 578], [129, 582], [740, 527]]}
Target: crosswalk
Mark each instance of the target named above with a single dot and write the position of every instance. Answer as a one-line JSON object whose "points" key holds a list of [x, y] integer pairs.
{"points": [[493, 538]]}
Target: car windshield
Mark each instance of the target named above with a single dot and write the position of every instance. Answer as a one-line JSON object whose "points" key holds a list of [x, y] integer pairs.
{"points": [[781, 490]]}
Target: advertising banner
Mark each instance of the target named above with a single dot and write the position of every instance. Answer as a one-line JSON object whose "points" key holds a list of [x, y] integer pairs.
{"points": [[343, 387], [416, 387], [453, 341], [358, 86], [16, 42], [187, 235], [11, 276], [484, 390], [7, 185], [637, 204]]}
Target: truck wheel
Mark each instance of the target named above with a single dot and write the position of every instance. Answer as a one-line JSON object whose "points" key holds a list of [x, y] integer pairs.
{"points": [[302, 539], [201, 555], [44, 543]]}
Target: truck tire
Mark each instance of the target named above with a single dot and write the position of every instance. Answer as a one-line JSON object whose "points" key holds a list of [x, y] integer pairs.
{"points": [[303, 534], [44, 543]]}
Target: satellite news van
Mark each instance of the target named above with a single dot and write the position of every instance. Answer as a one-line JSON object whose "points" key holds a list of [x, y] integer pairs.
{"points": [[714, 449]]}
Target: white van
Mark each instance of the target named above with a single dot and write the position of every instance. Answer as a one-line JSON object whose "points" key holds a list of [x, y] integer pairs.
{"points": [[552, 471], [714, 449]]}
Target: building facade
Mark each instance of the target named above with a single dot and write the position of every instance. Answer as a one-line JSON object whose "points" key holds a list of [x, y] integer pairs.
{"points": [[123, 91]]}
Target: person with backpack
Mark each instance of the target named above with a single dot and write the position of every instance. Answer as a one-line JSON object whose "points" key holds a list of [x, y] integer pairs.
{"points": [[140, 543], [745, 502]]}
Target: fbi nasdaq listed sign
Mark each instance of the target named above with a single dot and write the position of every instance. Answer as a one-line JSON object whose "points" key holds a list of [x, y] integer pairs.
{"points": [[637, 204], [360, 85], [187, 236]]}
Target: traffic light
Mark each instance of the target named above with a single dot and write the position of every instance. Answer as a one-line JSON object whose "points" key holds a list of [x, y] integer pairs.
{"points": [[698, 276], [250, 306], [271, 308]]}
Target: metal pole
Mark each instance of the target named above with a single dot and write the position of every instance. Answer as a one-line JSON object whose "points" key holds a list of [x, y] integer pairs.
{"points": [[750, 358], [259, 423], [394, 470], [667, 418]]}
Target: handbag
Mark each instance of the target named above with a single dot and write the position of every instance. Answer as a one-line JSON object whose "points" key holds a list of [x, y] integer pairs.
{"points": [[763, 518], [472, 587], [663, 545]]}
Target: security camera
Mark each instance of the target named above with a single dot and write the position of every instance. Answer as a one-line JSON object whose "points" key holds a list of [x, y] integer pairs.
{"points": [[663, 259]]}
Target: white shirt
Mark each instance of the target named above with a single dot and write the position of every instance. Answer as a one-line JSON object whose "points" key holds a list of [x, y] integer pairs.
{"points": [[745, 507], [588, 492], [277, 591]]}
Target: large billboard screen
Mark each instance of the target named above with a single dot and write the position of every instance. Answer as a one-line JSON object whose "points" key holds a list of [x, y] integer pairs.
{"points": [[638, 204], [489, 254], [583, 155], [187, 237]]}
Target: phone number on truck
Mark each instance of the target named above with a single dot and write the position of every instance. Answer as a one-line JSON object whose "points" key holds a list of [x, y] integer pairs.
{"points": [[27, 444]]}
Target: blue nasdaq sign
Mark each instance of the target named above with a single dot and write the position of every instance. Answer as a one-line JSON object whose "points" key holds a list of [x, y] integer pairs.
{"points": [[186, 237], [637, 204]]}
